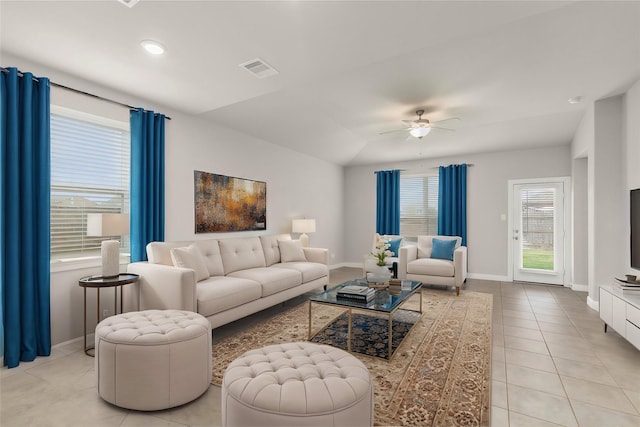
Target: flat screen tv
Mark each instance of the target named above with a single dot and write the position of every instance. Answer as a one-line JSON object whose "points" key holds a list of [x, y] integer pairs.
{"points": [[634, 220]]}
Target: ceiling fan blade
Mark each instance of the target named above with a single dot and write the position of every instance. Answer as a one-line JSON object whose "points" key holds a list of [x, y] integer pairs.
{"points": [[408, 122], [444, 120], [439, 128], [392, 131]]}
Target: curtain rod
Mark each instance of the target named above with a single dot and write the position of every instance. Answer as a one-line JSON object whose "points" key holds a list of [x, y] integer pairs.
{"points": [[404, 170], [385, 170], [468, 165], [101, 98]]}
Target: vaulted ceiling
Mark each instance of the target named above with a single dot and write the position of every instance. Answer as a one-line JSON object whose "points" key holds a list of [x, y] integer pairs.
{"points": [[349, 71]]}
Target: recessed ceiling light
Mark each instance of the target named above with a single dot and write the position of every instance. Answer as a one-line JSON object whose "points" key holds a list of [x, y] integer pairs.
{"points": [[575, 100], [153, 47]]}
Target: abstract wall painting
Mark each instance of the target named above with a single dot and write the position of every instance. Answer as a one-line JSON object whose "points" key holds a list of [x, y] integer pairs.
{"points": [[225, 203]]}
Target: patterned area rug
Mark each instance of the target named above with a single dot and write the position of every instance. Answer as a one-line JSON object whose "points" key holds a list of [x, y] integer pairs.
{"points": [[440, 375], [369, 334]]}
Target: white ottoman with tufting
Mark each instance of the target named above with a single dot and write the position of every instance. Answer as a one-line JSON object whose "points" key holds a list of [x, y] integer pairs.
{"points": [[297, 384], [153, 359]]}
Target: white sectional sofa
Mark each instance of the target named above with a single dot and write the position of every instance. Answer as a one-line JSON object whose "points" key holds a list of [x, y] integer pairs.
{"points": [[226, 279]]}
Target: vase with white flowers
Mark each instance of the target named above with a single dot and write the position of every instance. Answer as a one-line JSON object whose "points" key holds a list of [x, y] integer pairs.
{"points": [[381, 251]]}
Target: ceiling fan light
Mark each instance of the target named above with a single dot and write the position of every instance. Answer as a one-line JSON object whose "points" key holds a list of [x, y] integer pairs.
{"points": [[419, 132]]}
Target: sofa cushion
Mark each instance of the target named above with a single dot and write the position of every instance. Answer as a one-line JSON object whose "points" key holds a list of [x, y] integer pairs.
{"points": [[386, 238], [273, 280], [291, 251], [310, 270], [271, 248], [443, 249], [241, 254], [394, 246], [210, 251], [219, 293], [431, 267], [160, 252], [190, 257]]}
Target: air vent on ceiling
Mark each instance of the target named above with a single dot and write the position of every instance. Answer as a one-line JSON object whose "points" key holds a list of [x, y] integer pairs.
{"points": [[129, 3], [259, 68]]}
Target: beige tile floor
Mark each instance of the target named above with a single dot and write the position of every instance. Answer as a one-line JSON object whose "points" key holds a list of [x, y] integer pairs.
{"points": [[552, 365]]}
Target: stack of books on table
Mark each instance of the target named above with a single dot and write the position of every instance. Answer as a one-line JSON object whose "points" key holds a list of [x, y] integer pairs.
{"points": [[626, 286], [356, 293], [395, 286]]}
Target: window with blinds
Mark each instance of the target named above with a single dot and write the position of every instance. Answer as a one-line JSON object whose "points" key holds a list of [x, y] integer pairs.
{"points": [[89, 174], [538, 213], [418, 205]]}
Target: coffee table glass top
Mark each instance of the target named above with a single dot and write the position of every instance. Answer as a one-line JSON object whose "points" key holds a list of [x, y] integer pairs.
{"points": [[385, 301]]}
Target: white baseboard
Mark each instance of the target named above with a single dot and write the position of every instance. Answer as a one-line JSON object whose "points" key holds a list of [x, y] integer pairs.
{"points": [[579, 288], [90, 337], [478, 276], [346, 264], [595, 305], [494, 277]]}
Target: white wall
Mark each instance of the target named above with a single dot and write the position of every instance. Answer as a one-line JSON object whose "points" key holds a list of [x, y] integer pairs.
{"points": [[606, 190], [609, 136], [599, 139], [583, 240], [297, 186], [631, 156], [580, 229], [583, 139], [487, 200]]}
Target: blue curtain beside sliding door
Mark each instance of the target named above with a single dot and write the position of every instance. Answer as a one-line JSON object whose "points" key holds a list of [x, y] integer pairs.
{"points": [[24, 222]]}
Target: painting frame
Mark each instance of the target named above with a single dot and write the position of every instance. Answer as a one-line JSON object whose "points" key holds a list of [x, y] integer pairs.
{"points": [[225, 203]]}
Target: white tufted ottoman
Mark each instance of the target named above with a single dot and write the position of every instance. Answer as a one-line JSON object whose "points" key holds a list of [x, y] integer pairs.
{"points": [[297, 384], [153, 359]]}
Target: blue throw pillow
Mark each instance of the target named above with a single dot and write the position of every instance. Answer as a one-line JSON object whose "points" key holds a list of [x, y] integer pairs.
{"points": [[394, 246], [443, 249]]}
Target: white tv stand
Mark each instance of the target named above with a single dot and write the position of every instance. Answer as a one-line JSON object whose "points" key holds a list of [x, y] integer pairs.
{"points": [[621, 311]]}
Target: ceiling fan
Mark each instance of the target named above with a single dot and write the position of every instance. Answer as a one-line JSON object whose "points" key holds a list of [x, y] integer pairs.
{"points": [[421, 127]]}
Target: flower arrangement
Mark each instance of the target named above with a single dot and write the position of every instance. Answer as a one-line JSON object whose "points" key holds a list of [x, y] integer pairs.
{"points": [[381, 251]]}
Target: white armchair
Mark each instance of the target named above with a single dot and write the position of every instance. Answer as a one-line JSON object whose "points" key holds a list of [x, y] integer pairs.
{"points": [[417, 263]]}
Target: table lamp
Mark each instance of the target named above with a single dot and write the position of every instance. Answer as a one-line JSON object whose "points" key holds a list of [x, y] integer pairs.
{"points": [[108, 225], [304, 226]]}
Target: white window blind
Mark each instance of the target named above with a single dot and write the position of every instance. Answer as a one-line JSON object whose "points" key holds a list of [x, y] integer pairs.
{"points": [[89, 174], [418, 205], [538, 214]]}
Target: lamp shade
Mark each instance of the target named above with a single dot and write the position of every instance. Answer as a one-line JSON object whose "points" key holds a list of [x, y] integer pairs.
{"points": [[303, 226], [105, 224], [419, 132]]}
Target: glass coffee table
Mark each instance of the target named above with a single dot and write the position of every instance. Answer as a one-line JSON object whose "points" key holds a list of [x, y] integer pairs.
{"points": [[386, 301]]}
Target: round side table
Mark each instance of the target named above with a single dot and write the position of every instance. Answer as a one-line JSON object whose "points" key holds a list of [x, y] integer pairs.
{"points": [[100, 282]]}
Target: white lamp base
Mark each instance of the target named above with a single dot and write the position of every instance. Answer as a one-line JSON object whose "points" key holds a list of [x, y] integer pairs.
{"points": [[304, 239], [110, 251]]}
